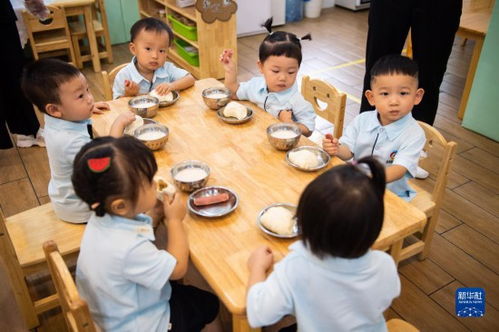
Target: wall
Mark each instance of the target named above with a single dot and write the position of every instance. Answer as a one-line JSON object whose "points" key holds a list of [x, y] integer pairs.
{"points": [[482, 112], [121, 15]]}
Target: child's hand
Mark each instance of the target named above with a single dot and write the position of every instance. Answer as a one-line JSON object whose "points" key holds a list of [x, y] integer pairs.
{"points": [[157, 213], [330, 145], [286, 116], [261, 259], [100, 107], [125, 118], [226, 60], [131, 88], [163, 88], [175, 208]]}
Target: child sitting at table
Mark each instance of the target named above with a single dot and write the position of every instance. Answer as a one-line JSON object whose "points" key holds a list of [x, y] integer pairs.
{"points": [[61, 91], [389, 133], [149, 70], [330, 280], [277, 91], [122, 275]]}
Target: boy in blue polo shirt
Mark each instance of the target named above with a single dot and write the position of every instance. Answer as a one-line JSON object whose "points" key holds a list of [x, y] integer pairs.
{"points": [[389, 133], [61, 91], [149, 70]]}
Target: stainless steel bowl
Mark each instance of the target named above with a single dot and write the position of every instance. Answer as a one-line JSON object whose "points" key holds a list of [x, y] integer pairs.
{"points": [[216, 103], [283, 144], [232, 120], [135, 105], [154, 144], [290, 207], [321, 155], [166, 103], [189, 186], [214, 210]]}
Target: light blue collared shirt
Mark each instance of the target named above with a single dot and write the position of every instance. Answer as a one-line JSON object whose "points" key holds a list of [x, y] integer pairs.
{"points": [[255, 90], [329, 294], [123, 276], [64, 139], [399, 143], [167, 73]]}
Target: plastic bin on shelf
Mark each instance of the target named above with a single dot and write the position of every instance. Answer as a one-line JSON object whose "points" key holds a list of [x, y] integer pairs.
{"points": [[188, 32], [191, 57]]}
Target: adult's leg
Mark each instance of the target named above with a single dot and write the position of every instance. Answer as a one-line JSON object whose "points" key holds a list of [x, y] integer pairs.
{"points": [[15, 109], [433, 29], [389, 22]]}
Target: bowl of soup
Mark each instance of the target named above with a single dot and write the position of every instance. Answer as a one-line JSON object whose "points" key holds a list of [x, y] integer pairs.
{"points": [[190, 175]]}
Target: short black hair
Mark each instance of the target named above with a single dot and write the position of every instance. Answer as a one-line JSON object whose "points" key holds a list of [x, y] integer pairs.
{"points": [[131, 163], [42, 79], [393, 64], [150, 24], [341, 212], [280, 43]]}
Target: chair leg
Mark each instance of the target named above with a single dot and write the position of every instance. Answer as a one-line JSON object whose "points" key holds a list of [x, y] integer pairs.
{"points": [[77, 52], [17, 281], [395, 251]]}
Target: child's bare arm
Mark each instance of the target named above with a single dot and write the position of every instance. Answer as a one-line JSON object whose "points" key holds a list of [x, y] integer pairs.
{"points": [[177, 244], [259, 263], [131, 89], [119, 125], [230, 72], [100, 107], [395, 172], [180, 84], [332, 146]]}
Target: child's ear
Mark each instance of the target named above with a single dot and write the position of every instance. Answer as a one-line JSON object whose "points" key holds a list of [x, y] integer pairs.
{"points": [[260, 66], [53, 110], [131, 47], [370, 97], [119, 207], [419, 96]]}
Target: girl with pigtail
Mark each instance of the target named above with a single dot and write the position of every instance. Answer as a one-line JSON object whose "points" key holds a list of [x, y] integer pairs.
{"points": [[331, 280], [276, 92]]}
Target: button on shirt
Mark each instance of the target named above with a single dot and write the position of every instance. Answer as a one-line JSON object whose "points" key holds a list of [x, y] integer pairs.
{"points": [[167, 73], [255, 90], [64, 139], [329, 294], [123, 276], [399, 143]]}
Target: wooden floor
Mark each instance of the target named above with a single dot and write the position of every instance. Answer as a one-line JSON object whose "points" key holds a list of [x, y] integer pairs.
{"points": [[465, 249]]}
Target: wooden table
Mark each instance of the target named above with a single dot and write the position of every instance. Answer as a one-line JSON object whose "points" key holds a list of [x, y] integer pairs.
{"points": [[241, 158], [83, 7], [473, 25]]}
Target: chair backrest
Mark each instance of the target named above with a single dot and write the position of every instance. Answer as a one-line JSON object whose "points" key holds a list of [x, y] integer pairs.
{"points": [[314, 90], [399, 325], [108, 80], [56, 20], [437, 145], [74, 308]]}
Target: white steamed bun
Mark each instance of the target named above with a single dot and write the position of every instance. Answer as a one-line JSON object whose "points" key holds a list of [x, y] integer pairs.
{"points": [[279, 220], [236, 110]]}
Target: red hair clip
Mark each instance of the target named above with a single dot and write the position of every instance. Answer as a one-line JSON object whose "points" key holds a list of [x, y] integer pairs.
{"points": [[99, 165]]}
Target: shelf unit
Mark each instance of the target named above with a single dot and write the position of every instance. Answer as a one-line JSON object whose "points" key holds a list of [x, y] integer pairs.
{"points": [[213, 38]]}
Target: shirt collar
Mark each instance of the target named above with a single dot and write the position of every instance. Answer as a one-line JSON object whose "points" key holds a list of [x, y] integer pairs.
{"points": [[393, 130], [282, 96], [62, 124], [141, 224], [137, 77]]}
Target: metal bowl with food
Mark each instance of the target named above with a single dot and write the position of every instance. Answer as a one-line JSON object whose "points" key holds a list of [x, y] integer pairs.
{"points": [[199, 202], [234, 120], [165, 101], [146, 106], [216, 97], [292, 229], [153, 135], [307, 158], [283, 136], [190, 175]]}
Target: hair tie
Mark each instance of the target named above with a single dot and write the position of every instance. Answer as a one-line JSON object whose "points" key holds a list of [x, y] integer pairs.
{"points": [[99, 165], [268, 25], [354, 162], [94, 206], [308, 36]]}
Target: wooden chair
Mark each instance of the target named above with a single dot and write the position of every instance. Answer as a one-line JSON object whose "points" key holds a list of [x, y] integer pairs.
{"points": [[440, 155], [50, 35], [314, 90], [74, 308], [399, 325], [108, 80], [101, 28], [21, 240]]}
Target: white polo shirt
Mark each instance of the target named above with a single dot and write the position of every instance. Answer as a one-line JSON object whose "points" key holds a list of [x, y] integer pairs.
{"points": [[255, 90], [64, 139], [167, 73], [399, 143], [123, 276], [329, 294]]}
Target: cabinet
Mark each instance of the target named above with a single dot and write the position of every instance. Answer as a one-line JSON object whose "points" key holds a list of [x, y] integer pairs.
{"points": [[212, 38]]}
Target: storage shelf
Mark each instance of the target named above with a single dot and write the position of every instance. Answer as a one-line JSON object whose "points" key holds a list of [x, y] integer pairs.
{"points": [[192, 42], [144, 13], [173, 55], [189, 12]]}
